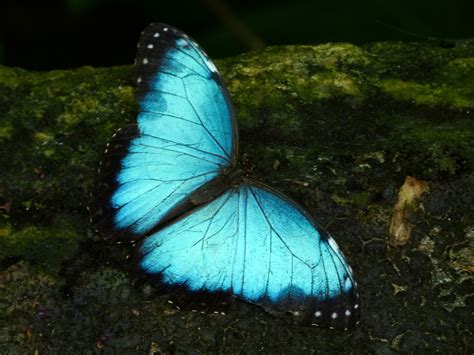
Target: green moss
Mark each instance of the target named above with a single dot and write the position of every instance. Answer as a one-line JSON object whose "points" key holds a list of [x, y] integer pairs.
{"points": [[44, 247], [55, 124], [341, 200], [458, 74], [336, 127], [361, 199], [280, 79], [429, 94], [430, 147], [424, 74]]}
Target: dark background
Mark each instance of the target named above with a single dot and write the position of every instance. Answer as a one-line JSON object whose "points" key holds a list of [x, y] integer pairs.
{"points": [[43, 35]]}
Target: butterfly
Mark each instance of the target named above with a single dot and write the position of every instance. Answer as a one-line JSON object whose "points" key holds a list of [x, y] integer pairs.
{"points": [[172, 184]]}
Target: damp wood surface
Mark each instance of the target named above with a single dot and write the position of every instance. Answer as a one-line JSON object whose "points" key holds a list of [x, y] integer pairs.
{"points": [[336, 127]]}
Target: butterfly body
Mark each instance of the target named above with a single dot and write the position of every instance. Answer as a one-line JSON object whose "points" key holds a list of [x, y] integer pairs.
{"points": [[172, 183], [214, 188]]}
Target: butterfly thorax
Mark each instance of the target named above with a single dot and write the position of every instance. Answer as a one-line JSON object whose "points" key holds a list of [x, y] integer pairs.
{"points": [[214, 188]]}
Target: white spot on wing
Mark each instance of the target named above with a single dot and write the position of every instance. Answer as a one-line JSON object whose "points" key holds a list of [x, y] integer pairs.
{"points": [[150, 46], [156, 35], [317, 314], [334, 315], [145, 60], [356, 306], [348, 313], [333, 244], [211, 66], [139, 80], [165, 29]]}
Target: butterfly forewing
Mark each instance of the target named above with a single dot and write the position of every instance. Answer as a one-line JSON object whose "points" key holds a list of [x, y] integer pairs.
{"points": [[185, 72], [184, 138]]}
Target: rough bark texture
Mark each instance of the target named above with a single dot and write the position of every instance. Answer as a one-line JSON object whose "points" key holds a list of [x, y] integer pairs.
{"points": [[337, 127]]}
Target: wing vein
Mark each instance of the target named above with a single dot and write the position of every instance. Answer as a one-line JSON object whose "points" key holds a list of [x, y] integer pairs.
{"points": [[182, 145], [276, 232], [216, 142]]}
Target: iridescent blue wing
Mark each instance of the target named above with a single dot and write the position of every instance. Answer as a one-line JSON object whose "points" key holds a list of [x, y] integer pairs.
{"points": [[184, 137], [256, 244]]}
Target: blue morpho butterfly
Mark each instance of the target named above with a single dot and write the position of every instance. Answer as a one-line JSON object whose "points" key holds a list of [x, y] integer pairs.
{"points": [[172, 184]]}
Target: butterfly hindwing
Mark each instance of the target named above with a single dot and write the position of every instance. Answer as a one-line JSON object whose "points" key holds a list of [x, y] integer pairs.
{"points": [[257, 244], [185, 136]]}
